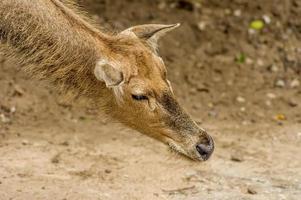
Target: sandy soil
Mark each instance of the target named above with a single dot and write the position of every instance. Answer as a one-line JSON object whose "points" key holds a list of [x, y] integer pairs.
{"points": [[53, 149]]}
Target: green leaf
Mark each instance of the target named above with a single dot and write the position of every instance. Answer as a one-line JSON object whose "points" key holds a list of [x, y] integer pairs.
{"points": [[257, 25], [241, 58]]}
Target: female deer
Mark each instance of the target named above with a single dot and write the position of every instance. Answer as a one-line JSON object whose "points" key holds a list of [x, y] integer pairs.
{"points": [[122, 73]]}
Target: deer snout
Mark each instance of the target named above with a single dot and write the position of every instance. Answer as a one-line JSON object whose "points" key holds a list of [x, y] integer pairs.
{"points": [[206, 148]]}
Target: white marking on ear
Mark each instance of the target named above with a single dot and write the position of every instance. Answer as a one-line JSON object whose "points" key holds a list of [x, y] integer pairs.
{"points": [[111, 76], [108, 73]]}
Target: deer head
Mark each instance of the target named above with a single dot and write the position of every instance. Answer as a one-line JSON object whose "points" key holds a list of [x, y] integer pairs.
{"points": [[136, 76]]}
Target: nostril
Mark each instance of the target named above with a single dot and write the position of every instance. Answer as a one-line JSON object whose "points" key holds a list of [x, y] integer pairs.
{"points": [[203, 150]]}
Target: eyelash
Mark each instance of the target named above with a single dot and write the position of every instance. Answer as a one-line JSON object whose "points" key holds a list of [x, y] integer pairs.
{"points": [[139, 97]]}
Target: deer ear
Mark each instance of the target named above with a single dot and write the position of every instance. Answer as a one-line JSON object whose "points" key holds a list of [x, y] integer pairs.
{"points": [[150, 32], [108, 74]]}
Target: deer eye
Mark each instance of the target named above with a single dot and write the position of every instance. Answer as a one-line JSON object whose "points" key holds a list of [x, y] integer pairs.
{"points": [[139, 97]]}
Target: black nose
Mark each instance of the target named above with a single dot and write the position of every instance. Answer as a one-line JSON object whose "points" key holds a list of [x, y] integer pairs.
{"points": [[205, 150]]}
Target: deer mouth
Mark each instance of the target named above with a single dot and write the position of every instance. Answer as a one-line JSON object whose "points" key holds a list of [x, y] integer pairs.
{"points": [[195, 151]]}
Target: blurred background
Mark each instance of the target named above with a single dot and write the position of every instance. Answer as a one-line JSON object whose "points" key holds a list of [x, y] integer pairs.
{"points": [[235, 66]]}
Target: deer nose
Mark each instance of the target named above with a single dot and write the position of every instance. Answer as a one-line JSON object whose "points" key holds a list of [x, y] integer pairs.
{"points": [[205, 150]]}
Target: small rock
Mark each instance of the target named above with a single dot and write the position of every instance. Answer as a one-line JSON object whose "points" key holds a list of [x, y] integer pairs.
{"points": [[202, 89], [18, 91], [107, 171], [202, 26], [251, 31], [292, 103], [271, 95], [274, 68], [55, 159], [268, 103], [260, 62], [251, 190], [246, 122], [240, 99], [249, 61], [210, 105], [280, 83], [290, 58], [266, 19], [25, 142], [213, 113], [13, 109], [237, 157], [4, 119], [237, 13], [295, 83]]}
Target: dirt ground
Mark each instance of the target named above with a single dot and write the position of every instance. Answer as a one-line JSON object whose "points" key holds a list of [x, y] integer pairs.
{"points": [[242, 85]]}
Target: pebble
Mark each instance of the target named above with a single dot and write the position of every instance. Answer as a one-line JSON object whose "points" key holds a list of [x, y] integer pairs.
{"points": [[271, 95], [240, 99], [295, 83], [18, 90], [4, 119], [268, 103], [249, 61], [260, 62], [280, 83], [251, 190], [246, 122], [274, 68], [13, 109], [266, 19], [251, 31], [237, 13], [213, 113], [202, 26], [237, 158], [210, 105], [25, 142], [292, 103]]}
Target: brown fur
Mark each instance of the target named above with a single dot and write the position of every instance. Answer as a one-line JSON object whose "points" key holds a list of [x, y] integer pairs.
{"points": [[52, 41]]}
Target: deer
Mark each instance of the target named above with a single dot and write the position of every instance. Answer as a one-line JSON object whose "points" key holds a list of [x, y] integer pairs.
{"points": [[122, 73]]}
